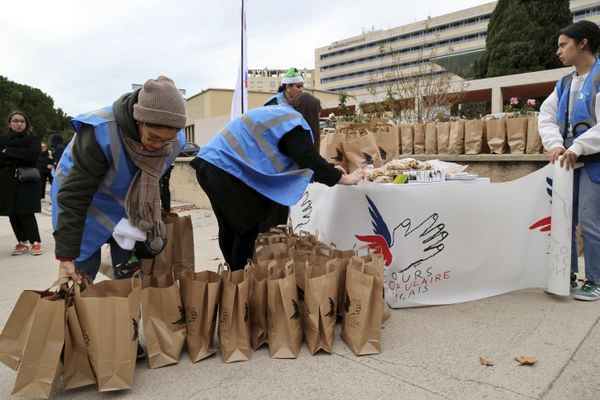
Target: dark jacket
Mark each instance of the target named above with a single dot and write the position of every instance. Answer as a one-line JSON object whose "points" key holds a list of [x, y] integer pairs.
{"points": [[89, 167], [22, 150], [43, 161], [57, 146]]}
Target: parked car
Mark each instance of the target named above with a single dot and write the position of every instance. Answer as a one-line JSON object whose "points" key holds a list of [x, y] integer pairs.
{"points": [[190, 149]]}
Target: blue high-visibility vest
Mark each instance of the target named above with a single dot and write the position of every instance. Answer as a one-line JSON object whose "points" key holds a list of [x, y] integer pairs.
{"points": [[281, 100], [247, 148], [583, 115], [108, 203]]}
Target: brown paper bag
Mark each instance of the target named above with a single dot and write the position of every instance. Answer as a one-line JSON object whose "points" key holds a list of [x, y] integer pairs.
{"points": [[395, 129], [443, 137], [407, 139], [320, 297], [376, 261], [17, 327], [234, 322], [109, 313], [271, 247], [474, 136], [456, 141], [41, 366], [200, 294], [258, 306], [431, 138], [361, 151], [388, 144], [419, 138], [77, 370], [516, 131], [361, 327], [283, 314], [496, 135], [340, 260], [162, 264], [332, 149], [163, 317], [534, 141], [183, 242]]}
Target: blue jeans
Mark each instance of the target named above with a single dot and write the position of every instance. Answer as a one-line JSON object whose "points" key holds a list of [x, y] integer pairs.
{"points": [[91, 266], [586, 211]]}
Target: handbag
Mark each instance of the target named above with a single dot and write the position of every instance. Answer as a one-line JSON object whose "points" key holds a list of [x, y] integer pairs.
{"points": [[27, 174]]}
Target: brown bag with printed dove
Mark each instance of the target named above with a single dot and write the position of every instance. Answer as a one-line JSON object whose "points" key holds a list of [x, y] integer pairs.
{"points": [[474, 136], [320, 314], [77, 369], [376, 261], [163, 316], [331, 149], [234, 322], [17, 327], [388, 143], [109, 313], [361, 326], [182, 243], [283, 314], [200, 294], [41, 366], [360, 150], [340, 259]]}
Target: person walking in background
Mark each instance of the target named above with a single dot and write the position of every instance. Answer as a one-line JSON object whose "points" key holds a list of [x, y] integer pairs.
{"points": [[45, 164], [291, 86], [57, 146], [19, 200], [108, 178], [264, 158], [570, 132]]}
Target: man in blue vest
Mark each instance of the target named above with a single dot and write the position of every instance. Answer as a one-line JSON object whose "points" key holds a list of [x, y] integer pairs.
{"points": [[263, 158], [109, 176]]}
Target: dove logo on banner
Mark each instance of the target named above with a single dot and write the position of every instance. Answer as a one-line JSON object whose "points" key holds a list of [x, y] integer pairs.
{"points": [[450, 242]]}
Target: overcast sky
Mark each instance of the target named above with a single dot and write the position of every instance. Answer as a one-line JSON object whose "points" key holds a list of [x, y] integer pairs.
{"points": [[86, 53]]}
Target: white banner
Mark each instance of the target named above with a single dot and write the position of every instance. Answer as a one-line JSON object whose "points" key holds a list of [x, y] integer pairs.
{"points": [[452, 242]]}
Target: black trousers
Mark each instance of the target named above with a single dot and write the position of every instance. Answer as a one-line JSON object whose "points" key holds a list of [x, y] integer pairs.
{"points": [[165, 191], [238, 209], [25, 227], [43, 179], [279, 216]]}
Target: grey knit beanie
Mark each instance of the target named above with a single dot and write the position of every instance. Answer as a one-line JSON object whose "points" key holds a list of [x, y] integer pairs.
{"points": [[160, 103]]}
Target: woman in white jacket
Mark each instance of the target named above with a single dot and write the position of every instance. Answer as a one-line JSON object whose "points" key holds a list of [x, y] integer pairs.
{"points": [[570, 132]]}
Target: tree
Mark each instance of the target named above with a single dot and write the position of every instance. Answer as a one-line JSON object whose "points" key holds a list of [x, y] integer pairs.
{"points": [[420, 93], [38, 106], [522, 37]]}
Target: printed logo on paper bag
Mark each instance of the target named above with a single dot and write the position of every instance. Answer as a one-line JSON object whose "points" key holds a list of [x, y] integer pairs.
{"points": [[331, 311], [135, 330], [181, 320], [296, 314]]}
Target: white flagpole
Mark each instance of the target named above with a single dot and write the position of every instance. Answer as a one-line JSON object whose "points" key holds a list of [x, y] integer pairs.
{"points": [[239, 103]]}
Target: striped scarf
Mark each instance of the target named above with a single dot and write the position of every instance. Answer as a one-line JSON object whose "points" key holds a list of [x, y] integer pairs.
{"points": [[142, 203]]}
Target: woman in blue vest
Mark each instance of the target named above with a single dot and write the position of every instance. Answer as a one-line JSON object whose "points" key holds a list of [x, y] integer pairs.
{"points": [[263, 158], [108, 178], [570, 132], [291, 86]]}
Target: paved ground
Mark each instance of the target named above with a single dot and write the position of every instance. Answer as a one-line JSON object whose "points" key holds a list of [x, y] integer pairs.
{"points": [[428, 353]]}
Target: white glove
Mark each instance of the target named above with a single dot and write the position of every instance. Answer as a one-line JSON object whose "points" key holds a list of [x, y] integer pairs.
{"points": [[126, 234]]}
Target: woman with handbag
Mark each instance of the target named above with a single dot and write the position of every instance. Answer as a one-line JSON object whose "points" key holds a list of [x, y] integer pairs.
{"points": [[19, 179]]}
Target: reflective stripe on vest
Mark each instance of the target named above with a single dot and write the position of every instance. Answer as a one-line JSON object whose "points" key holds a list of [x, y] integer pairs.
{"points": [[247, 148], [108, 203]]}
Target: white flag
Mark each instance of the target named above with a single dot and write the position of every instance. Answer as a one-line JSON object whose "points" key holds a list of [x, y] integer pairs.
{"points": [[239, 103]]}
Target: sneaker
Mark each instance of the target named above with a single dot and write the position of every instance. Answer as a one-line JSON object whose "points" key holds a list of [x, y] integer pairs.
{"points": [[20, 248], [36, 249], [590, 291], [574, 283]]}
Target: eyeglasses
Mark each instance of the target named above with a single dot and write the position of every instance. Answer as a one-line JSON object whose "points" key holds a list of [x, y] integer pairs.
{"points": [[161, 141], [18, 121]]}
